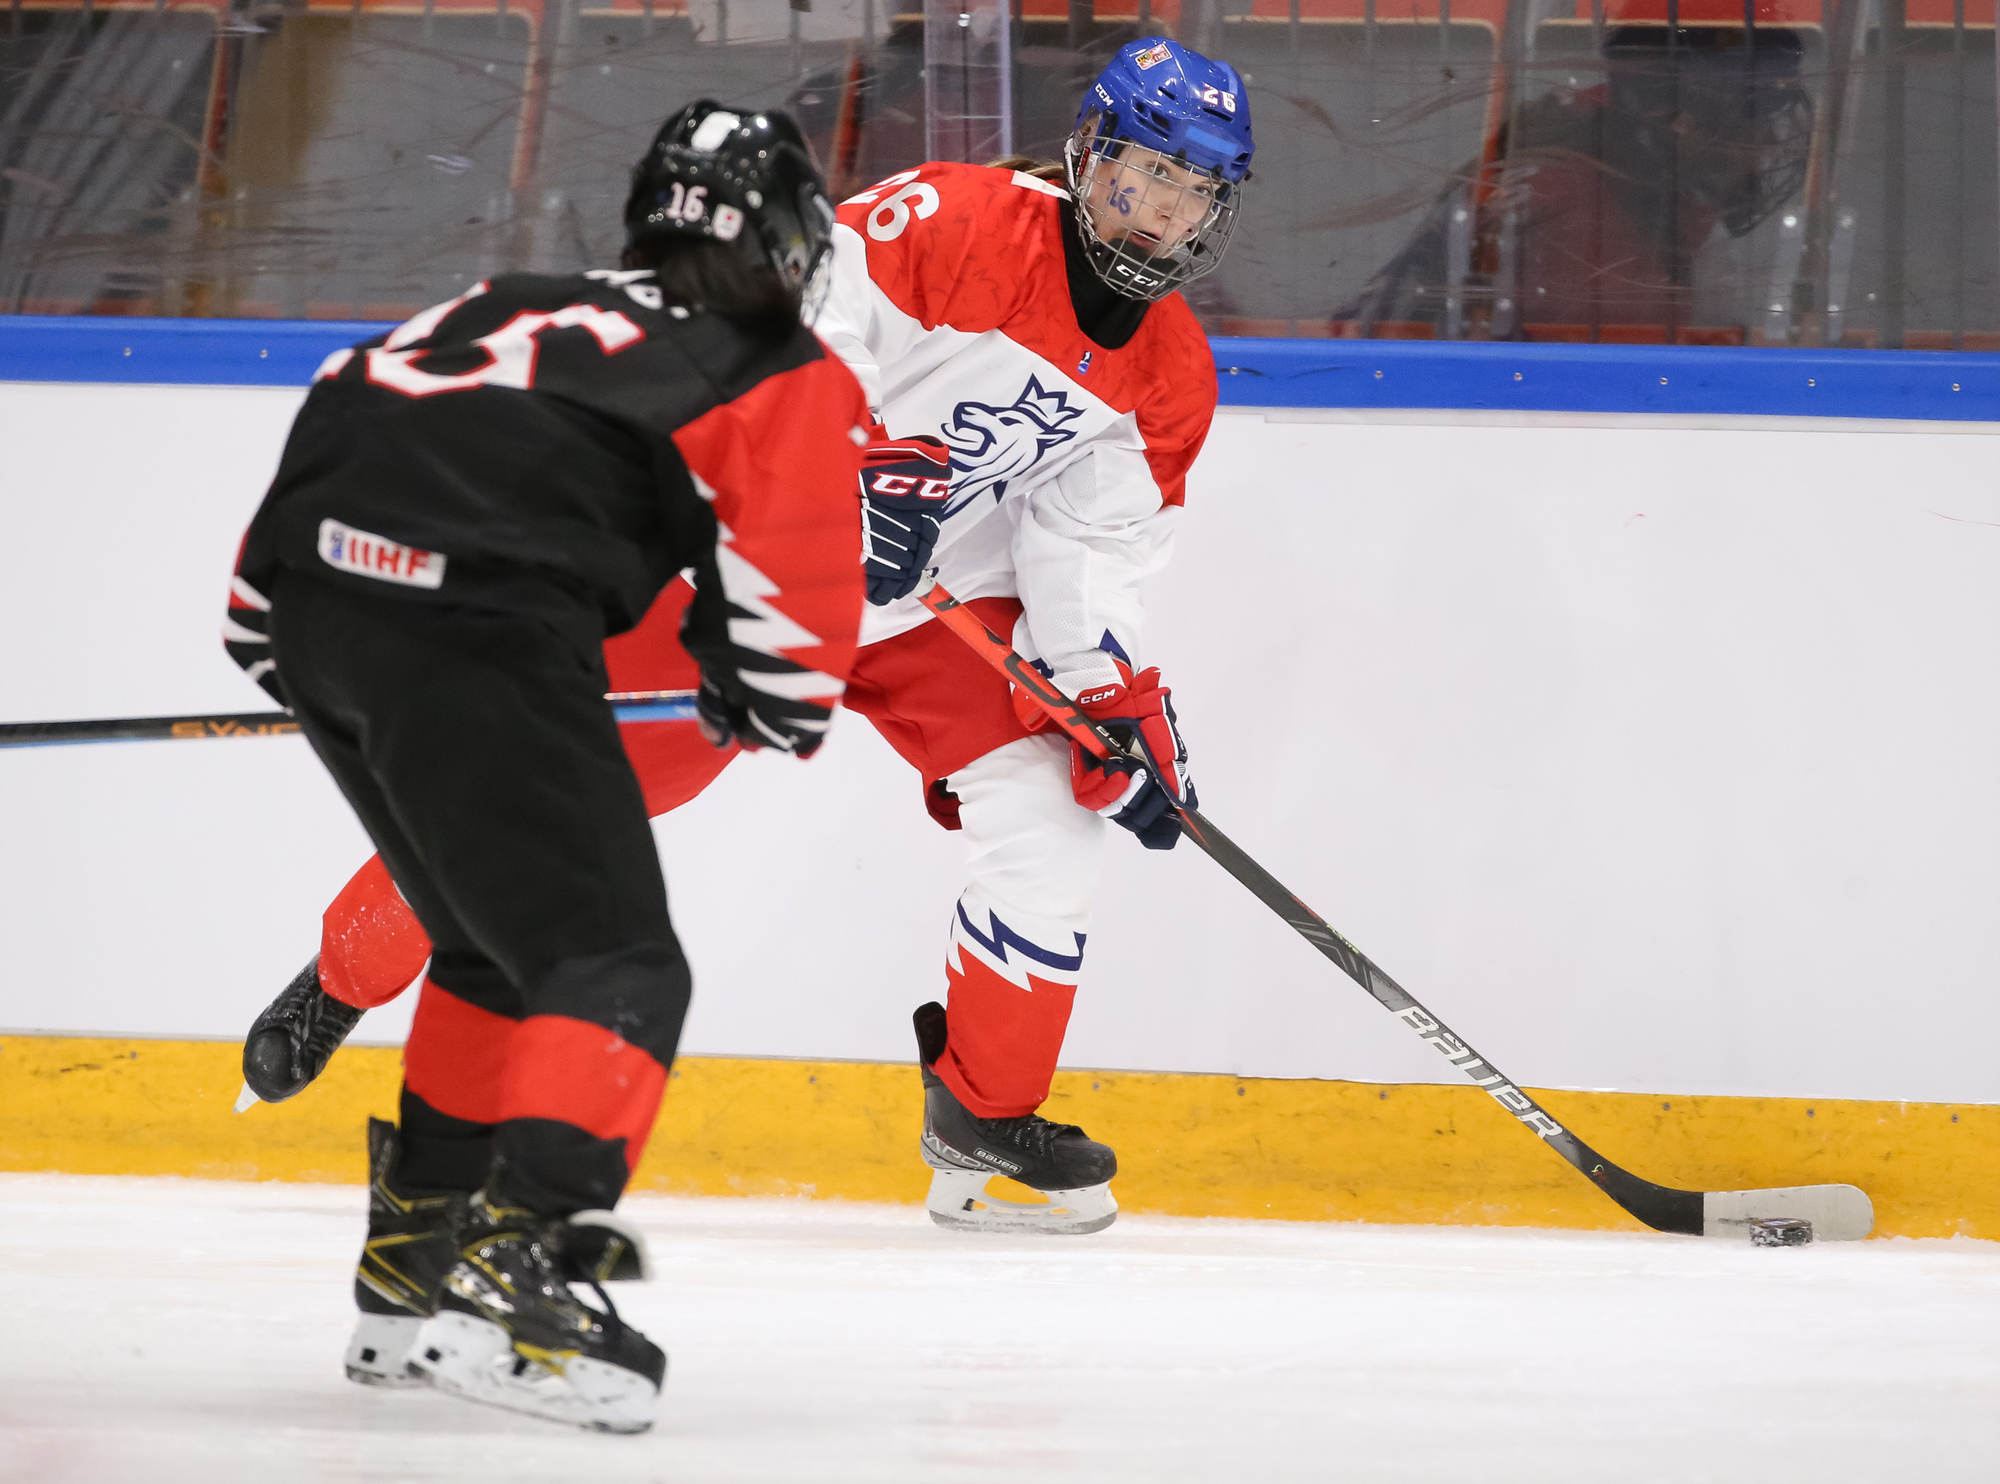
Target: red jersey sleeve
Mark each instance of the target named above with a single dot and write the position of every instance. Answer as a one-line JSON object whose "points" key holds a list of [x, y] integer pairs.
{"points": [[1174, 419], [780, 464]]}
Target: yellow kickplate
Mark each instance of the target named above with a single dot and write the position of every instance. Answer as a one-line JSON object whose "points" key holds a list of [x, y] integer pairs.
{"points": [[1188, 1145]]}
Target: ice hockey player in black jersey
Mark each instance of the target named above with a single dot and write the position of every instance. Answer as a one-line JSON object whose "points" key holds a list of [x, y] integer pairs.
{"points": [[466, 508]]}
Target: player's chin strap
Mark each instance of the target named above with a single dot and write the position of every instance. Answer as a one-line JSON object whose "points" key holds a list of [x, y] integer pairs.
{"points": [[1836, 1211]]}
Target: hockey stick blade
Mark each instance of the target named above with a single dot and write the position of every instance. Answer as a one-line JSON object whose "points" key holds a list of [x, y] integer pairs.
{"points": [[637, 705], [1837, 1212]]}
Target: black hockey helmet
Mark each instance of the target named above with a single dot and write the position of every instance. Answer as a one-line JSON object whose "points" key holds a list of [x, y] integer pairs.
{"points": [[747, 181]]}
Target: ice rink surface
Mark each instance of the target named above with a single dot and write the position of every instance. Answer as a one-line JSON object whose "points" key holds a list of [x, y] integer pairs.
{"points": [[162, 1330]]}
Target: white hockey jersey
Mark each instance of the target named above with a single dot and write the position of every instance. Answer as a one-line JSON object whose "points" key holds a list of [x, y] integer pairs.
{"points": [[951, 304]]}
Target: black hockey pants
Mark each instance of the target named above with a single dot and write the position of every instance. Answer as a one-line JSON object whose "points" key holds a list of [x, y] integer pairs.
{"points": [[479, 753]]}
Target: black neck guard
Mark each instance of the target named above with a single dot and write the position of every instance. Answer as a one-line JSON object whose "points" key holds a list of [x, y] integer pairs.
{"points": [[1108, 317]]}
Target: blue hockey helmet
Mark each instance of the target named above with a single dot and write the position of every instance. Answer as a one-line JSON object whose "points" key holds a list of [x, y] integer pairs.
{"points": [[1157, 162]]}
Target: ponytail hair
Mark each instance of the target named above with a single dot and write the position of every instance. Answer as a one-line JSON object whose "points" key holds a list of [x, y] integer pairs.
{"points": [[1029, 165]]}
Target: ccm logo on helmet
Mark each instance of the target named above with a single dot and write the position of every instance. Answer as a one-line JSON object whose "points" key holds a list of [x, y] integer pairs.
{"points": [[908, 484]]}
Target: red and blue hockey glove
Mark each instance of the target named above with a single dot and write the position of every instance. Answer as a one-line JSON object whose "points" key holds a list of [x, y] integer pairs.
{"points": [[1137, 713], [905, 483]]}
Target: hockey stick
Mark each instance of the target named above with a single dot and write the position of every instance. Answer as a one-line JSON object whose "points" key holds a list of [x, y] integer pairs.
{"points": [[1837, 1212], [634, 705]]}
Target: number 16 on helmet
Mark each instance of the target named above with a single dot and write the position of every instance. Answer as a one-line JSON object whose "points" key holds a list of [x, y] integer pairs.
{"points": [[742, 185]]}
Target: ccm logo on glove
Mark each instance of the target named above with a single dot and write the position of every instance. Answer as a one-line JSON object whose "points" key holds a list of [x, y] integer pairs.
{"points": [[1138, 715], [904, 482], [882, 482]]}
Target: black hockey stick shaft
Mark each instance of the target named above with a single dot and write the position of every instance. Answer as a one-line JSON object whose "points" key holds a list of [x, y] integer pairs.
{"points": [[147, 729], [641, 705], [1659, 1206]]}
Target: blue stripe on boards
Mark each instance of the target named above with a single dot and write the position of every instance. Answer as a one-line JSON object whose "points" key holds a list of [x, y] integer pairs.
{"points": [[171, 352], [1382, 374], [1492, 377]]}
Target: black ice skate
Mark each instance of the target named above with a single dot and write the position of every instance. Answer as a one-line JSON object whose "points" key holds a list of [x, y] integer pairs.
{"points": [[289, 1044], [408, 1251], [510, 1330], [1058, 1159]]}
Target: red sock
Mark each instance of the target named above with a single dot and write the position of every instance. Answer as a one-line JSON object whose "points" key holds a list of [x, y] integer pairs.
{"points": [[1003, 1039], [371, 945]]}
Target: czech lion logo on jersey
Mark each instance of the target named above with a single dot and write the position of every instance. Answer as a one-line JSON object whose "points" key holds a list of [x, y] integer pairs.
{"points": [[992, 445]]}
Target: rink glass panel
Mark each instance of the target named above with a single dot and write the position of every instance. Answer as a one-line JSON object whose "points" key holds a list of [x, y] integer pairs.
{"points": [[1426, 170]]}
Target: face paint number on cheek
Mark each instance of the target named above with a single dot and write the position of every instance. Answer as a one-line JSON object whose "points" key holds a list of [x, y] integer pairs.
{"points": [[1122, 197]]}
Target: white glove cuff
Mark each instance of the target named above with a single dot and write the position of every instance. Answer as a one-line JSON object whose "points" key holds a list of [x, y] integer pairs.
{"points": [[1092, 670]]}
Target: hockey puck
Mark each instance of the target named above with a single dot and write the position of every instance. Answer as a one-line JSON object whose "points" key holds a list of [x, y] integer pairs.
{"points": [[1780, 1231]]}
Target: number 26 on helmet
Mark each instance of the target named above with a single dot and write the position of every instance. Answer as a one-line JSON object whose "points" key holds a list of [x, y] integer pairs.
{"points": [[1157, 165]]}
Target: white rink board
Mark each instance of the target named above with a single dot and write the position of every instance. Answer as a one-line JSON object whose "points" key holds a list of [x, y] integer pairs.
{"points": [[1654, 757], [814, 1340]]}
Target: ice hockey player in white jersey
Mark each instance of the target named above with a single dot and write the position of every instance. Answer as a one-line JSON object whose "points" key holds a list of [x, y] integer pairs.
{"points": [[1029, 318]]}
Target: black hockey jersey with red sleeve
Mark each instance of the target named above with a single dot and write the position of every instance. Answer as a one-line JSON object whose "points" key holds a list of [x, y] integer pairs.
{"points": [[543, 439]]}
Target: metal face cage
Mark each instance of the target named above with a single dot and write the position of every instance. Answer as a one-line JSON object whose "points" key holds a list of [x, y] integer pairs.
{"points": [[1151, 223]]}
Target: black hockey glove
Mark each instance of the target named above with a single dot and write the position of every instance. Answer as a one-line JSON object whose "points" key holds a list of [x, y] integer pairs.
{"points": [[905, 483], [730, 709], [730, 705]]}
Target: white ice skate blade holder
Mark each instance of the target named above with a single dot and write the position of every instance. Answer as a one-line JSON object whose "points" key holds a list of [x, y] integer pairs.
{"points": [[378, 1354], [246, 1100], [464, 1355], [963, 1201]]}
